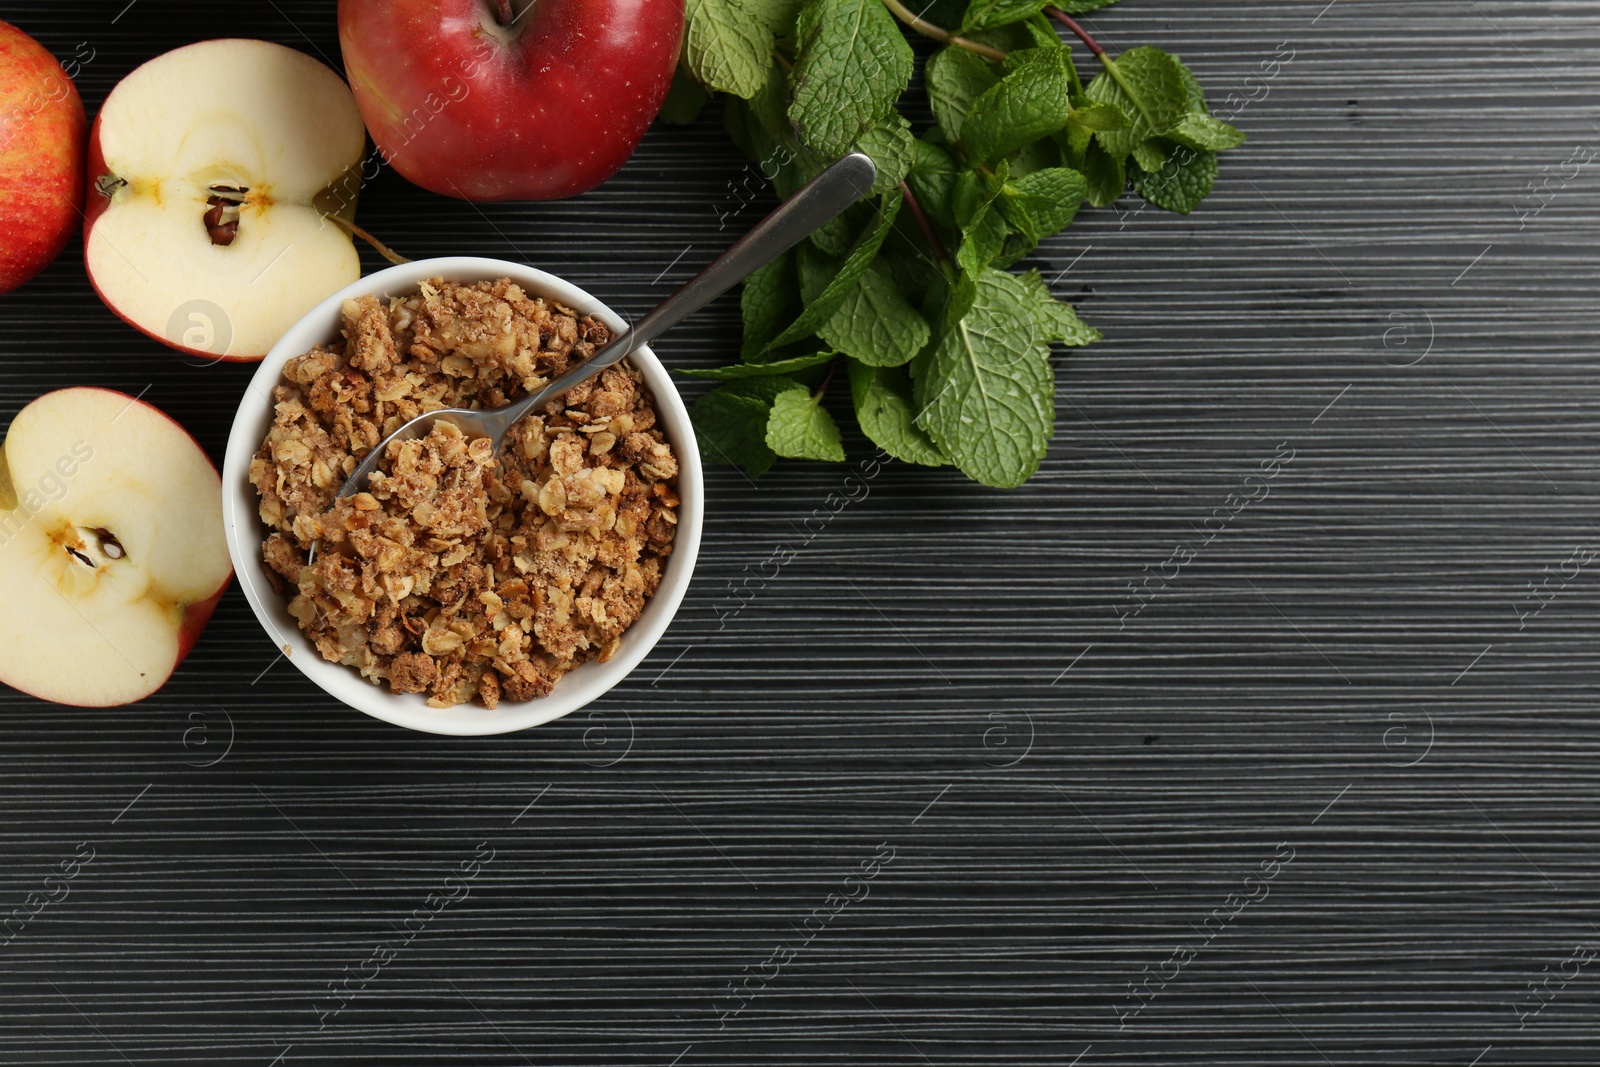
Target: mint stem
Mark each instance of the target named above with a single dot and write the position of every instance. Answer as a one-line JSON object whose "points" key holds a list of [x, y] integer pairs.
{"points": [[1083, 35], [927, 227], [827, 379], [928, 29]]}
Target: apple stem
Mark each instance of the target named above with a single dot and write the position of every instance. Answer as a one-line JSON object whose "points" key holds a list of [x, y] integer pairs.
{"points": [[356, 231], [938, 33], [503, 12]]}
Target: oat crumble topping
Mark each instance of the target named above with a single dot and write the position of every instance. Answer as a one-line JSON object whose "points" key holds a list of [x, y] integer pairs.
{"points": [[460, 574]]}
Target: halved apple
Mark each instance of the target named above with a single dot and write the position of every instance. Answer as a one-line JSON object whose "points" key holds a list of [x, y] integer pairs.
{"points": [[204, 227], [112, 554]]}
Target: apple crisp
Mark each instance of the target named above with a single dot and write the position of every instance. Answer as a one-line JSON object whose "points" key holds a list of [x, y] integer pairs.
{"points": [[459, 573]]}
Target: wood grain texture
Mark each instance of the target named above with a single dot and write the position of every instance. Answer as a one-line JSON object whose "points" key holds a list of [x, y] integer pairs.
{"points": [[1072, 800]]}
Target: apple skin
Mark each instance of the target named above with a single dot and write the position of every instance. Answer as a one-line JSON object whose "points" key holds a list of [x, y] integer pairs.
{"points": [[550, 107], [42, 127]]}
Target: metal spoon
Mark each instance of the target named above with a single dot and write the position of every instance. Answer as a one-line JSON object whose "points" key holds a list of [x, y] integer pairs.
{"points": [[818, 202]]}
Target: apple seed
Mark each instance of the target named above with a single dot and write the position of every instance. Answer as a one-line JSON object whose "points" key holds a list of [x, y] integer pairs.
{"points": [[222, 213], [109, 544]]}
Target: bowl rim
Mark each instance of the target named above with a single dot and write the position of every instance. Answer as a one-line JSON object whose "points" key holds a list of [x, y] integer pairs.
{"points": [[245, 531]]}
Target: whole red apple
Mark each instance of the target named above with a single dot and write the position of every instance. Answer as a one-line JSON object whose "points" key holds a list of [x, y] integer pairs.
{"points": [[42, 129], [509, 99]]}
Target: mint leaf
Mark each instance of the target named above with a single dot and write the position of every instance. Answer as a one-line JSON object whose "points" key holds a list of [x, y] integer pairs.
{"points": [[955, 78], [892, 149], [861, 256], [817, 269], [1191, 84], [1105, 174], [1149, 155], [851, 66], [1148, 86], [1200, 130], [933, 181], [727, 44], [1043, 202], [801, 428], [1182, 183], [982, 241], [875, 324], [1083, 7], [1055, 318], [1099, 118], [771, 297], [684, 99], [1027, 104], [883, 408], [987, 14], [972, 193], [731, 422], [985, 388], [734, 372]]}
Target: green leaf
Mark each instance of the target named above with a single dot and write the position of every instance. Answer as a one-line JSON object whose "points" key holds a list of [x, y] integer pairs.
{"points": [[731, 422], [1149, 155], [1182, 183], [892, 149], [817, 268], [1196, 93], [861, 256], [1026, 105], [987, 14], [883, 408], [1040, 155], [1147, 85], [851, 65], [985, 388], [875, 324], [1043, 202], [738, 371], [1099, 118], [956, 77], [771, 297], [1056, 319], [982, 241], [972, 193], [801, 428], [1200, 130], [1016, 246], [933, 181], [1106, 175], [727, 44], [684, 99], [1083, 7]]}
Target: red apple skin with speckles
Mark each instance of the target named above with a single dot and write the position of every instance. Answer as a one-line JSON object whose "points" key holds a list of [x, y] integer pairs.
{"points": [[42, 126], [509, 99]]}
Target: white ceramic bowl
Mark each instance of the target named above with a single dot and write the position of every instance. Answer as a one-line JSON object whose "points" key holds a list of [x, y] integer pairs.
{"points": [[245, 531]]}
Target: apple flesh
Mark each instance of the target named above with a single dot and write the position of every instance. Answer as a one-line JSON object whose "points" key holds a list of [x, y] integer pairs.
{"points": [[204, 227], [41, 157], [112, 553], [509, 99]]}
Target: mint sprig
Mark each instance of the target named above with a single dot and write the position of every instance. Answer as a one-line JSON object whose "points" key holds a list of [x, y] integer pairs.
{"points": [[908, 295]]}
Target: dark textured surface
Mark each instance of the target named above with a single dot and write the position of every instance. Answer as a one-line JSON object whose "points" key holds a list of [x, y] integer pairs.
{"points": [[940, 670]]}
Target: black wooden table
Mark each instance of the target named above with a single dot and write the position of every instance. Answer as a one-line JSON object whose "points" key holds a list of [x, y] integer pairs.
{"points": [[975, 777]]}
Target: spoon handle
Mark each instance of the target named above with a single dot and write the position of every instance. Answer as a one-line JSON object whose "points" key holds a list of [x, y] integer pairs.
{"points": [[816, 203]]}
